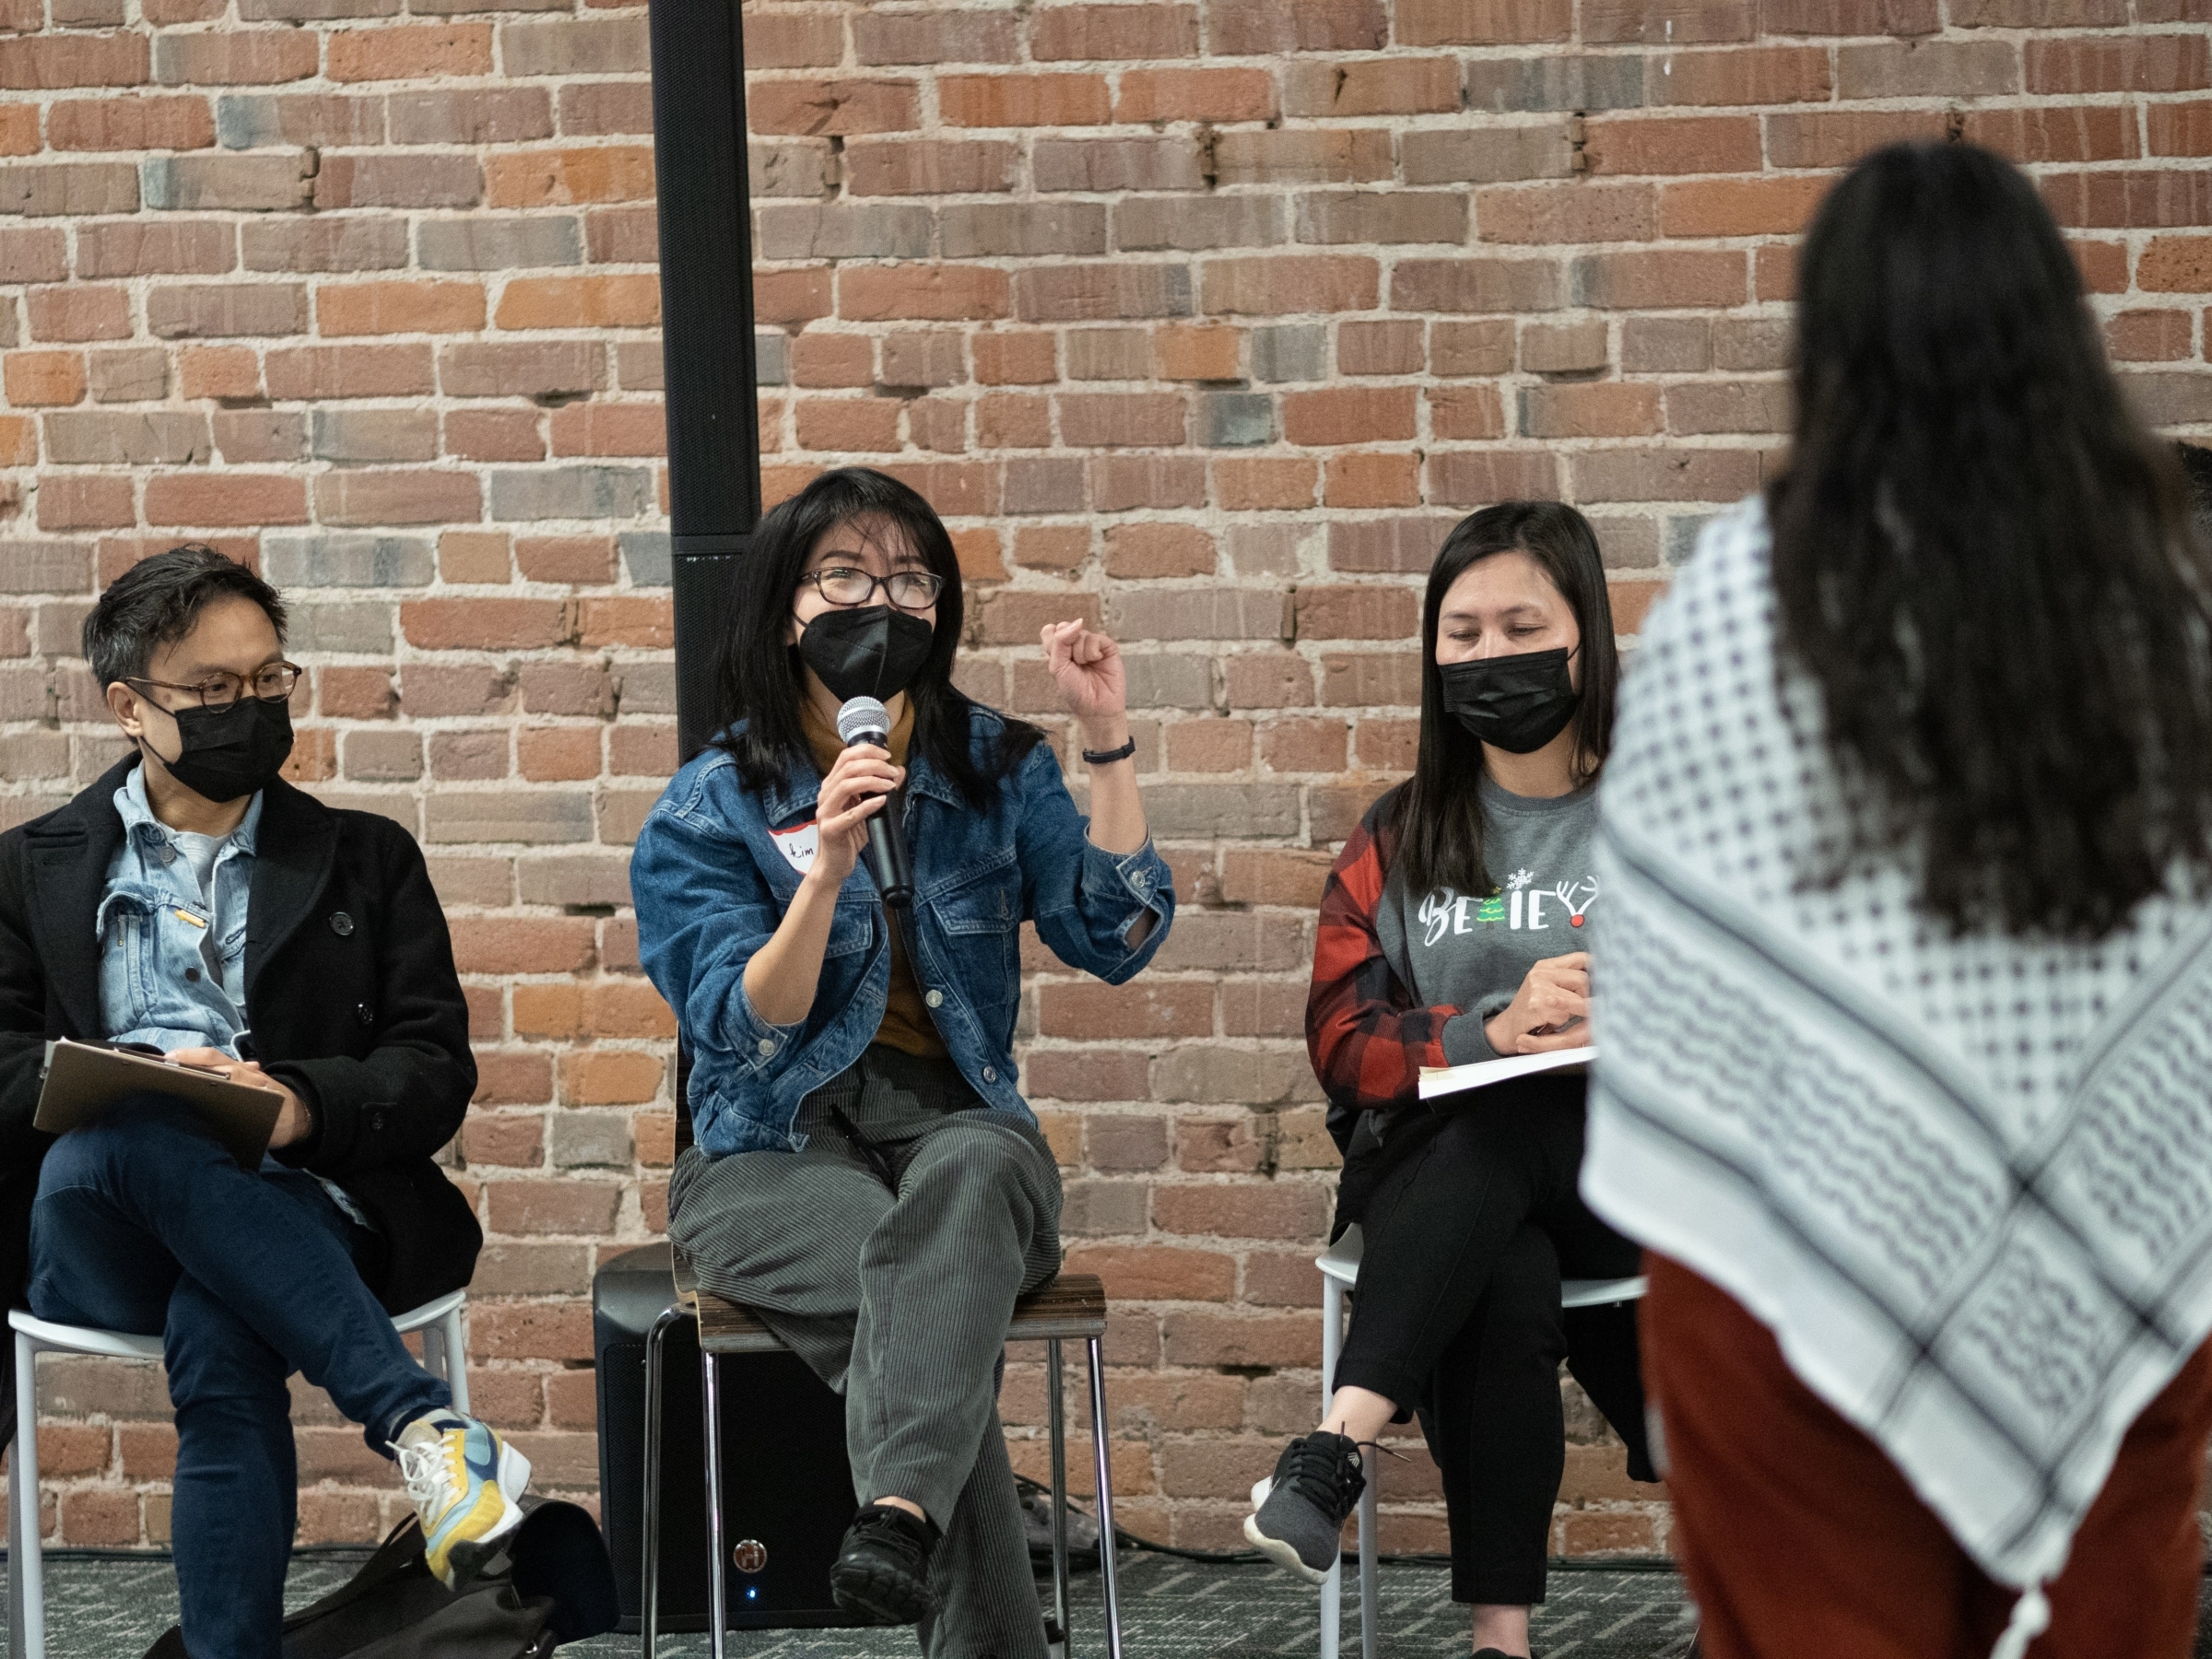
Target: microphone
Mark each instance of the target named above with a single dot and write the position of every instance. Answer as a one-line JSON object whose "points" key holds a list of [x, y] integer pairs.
{"points": [[864, 720]]}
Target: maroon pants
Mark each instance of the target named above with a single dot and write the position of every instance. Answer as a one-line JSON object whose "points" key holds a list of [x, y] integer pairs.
{"points": [[1799, 1537]]}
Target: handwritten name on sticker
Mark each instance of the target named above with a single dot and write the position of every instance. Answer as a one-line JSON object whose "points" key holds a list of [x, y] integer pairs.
{"points": [[799, 846]]}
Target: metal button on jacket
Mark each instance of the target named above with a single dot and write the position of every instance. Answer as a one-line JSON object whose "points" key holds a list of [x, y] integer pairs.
{"points": [[364, 1013], [341, 923], [935, 999], [768, 1045]]}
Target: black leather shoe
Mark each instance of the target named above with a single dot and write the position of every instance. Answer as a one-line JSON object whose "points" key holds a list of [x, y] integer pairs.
{"points": [[882, 1570]]}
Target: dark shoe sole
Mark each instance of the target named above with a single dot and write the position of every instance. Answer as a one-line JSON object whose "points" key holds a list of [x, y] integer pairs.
{"points": [[878, 1596]]}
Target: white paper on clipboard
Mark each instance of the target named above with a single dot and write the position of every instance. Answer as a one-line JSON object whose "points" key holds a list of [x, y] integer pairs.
{"points": [[1457, 1080]]}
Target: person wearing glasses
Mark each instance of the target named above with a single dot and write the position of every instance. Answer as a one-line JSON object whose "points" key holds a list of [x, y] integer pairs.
{"points": [[867, 1175], [193, 903]]}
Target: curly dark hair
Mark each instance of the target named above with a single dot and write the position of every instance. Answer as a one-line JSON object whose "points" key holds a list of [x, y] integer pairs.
{"points": [[1986, 563], [757, 672]]}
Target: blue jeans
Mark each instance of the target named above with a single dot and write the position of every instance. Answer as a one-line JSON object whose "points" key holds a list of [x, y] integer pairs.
{"points": [[145, 1224]]}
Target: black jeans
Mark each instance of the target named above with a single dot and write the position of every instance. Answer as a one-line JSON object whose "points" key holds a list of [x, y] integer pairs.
{"points": [[1467, 1234]]}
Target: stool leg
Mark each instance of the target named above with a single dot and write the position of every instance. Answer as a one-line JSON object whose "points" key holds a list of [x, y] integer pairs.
{"points": [[1056, 1411], [1371, 1613], [649, 1567], [1108, 1577], [456, 1358], [26, 1638], [1331, 1339], [718, 1614]]}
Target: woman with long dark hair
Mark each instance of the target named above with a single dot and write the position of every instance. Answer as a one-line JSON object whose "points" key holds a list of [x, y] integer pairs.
{"points": [[1455, 928], [1907, 979], [867, 1176]]}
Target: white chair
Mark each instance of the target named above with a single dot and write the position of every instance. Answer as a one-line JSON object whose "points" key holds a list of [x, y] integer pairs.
{"points": [[1339, 1272], [443, 1351]]}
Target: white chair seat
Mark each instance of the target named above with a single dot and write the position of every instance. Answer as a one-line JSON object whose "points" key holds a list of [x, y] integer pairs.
{"points": [[439, 1319], [1339, 1267]]}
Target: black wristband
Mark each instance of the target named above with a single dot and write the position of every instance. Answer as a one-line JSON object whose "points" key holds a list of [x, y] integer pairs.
{"points": [[1106, 757]]}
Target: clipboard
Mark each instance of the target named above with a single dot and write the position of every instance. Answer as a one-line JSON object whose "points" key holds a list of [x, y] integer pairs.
{"points": [[1438, 1080], [81, 1080]]}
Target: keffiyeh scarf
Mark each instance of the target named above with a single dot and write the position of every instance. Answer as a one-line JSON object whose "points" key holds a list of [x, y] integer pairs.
{"points": [[1966, 1181]]}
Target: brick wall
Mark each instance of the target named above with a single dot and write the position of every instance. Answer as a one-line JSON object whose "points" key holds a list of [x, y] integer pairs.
{"points": [[1202, 320]]}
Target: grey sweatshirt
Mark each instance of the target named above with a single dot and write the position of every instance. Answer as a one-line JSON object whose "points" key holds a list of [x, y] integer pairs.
{"points": [[1464, 952]]}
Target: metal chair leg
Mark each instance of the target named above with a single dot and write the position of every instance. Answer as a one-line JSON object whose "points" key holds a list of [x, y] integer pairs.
{"points": [[1332, 1341], [27, 1636], [718, 1611], [1108, 1576], [1057, 1409], [1371, 1613], [649, 1576], [455, 1343]]}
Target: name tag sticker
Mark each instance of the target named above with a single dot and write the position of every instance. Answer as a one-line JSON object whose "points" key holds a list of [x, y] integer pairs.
{"points": [[799, 846]]}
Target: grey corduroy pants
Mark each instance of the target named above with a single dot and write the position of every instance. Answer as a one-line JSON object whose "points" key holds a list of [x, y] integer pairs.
{"points": [[887, 1253]]}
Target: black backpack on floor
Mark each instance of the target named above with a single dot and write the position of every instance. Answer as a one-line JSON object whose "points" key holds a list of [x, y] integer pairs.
{"points": [[552, 1584]]}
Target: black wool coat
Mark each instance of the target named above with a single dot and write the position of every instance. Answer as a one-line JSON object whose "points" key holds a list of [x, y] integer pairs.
{"points": [[350, 994]]}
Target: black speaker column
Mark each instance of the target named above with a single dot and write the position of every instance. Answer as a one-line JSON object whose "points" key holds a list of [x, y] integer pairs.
{"points": [[706, 326]]}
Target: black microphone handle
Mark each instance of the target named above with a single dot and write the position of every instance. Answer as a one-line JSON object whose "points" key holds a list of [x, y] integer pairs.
{"points": [[886, 856]]}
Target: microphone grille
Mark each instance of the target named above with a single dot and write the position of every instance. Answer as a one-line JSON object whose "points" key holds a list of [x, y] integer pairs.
{"points": [[862, 714]]}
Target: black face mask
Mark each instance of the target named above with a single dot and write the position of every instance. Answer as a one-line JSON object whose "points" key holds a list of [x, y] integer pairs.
{"points": [[1518, 704], [870, 650], [232, 752]]}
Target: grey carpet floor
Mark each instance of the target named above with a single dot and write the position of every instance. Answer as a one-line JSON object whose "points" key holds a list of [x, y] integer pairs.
{"points": [[112, 1608]]}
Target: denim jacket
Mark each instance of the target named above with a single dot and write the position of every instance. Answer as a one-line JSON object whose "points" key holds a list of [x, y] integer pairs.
{"points": [[712, 879], [173, 958]]}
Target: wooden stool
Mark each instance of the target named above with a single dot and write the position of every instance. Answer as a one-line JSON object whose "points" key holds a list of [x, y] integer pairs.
{"points": [[1071, 1308]]}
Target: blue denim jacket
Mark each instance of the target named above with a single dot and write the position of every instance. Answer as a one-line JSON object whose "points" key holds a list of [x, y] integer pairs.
{"points": [[160, 938], [712, 880]]}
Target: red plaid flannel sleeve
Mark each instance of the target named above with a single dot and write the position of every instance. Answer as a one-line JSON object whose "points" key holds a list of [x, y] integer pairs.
{"points": [[1367, 1036]]}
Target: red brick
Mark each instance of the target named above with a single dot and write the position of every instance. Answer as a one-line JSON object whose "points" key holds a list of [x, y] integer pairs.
{"points": [[940, 293], [1135, 552], [611, 173], [1349, 415], [78, 311], [1746, 75], [2149, 336], [1689, 144], [1659, 279], [595, 428], [485, 624], [1260, 27], [1022, 101], [1158, 1272], [378, 307], [1739, 206], [128, 124], [44, 378], [1565, 213], [494, 435], [1606, 409], [1483, 478], [867, 425], [1665, 22], [404, 52], [231, 57], [1482, 22], [2082, 133], [2176, 265], [1084, 33], [2181, 129], [647, 622], [1258, 483], [318, 372], [1014, 358], [2137, 62], [1834, 141], [1372, 480], [900, 167], [1158, 95], [68, 502], [580, 302], [19, 130], [1289, 283], [380, 497], [1475, 285], [825, 108], [235, 498], [40, 63]]}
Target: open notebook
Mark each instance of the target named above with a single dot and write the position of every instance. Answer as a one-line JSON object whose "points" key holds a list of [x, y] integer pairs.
{"points": [[1457, 1079], [83, 1080]]}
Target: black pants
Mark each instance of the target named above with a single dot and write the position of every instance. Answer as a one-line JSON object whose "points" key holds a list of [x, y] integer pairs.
{"points": [[1467, 1234]]}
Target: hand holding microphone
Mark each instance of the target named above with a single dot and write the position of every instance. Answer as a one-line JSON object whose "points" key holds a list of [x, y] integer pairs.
{"points": [[855, 797]]}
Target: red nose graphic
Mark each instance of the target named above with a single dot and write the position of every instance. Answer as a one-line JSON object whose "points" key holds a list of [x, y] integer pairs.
{"points": [[1575, 921]]}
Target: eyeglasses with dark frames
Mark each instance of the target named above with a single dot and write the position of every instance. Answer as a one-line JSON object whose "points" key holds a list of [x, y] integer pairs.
{"points": [[908, 590], [272, 682]]}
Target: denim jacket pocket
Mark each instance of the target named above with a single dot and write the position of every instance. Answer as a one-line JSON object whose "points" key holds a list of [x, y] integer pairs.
{"points": [[148, 941], [979, 911]]}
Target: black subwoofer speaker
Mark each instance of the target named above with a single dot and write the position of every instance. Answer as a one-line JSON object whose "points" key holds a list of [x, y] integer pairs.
{"points": [[788, 1489]]}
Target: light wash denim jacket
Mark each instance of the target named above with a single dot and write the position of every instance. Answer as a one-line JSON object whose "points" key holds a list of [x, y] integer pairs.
{"points": [[711, 878], [161, 940]]}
